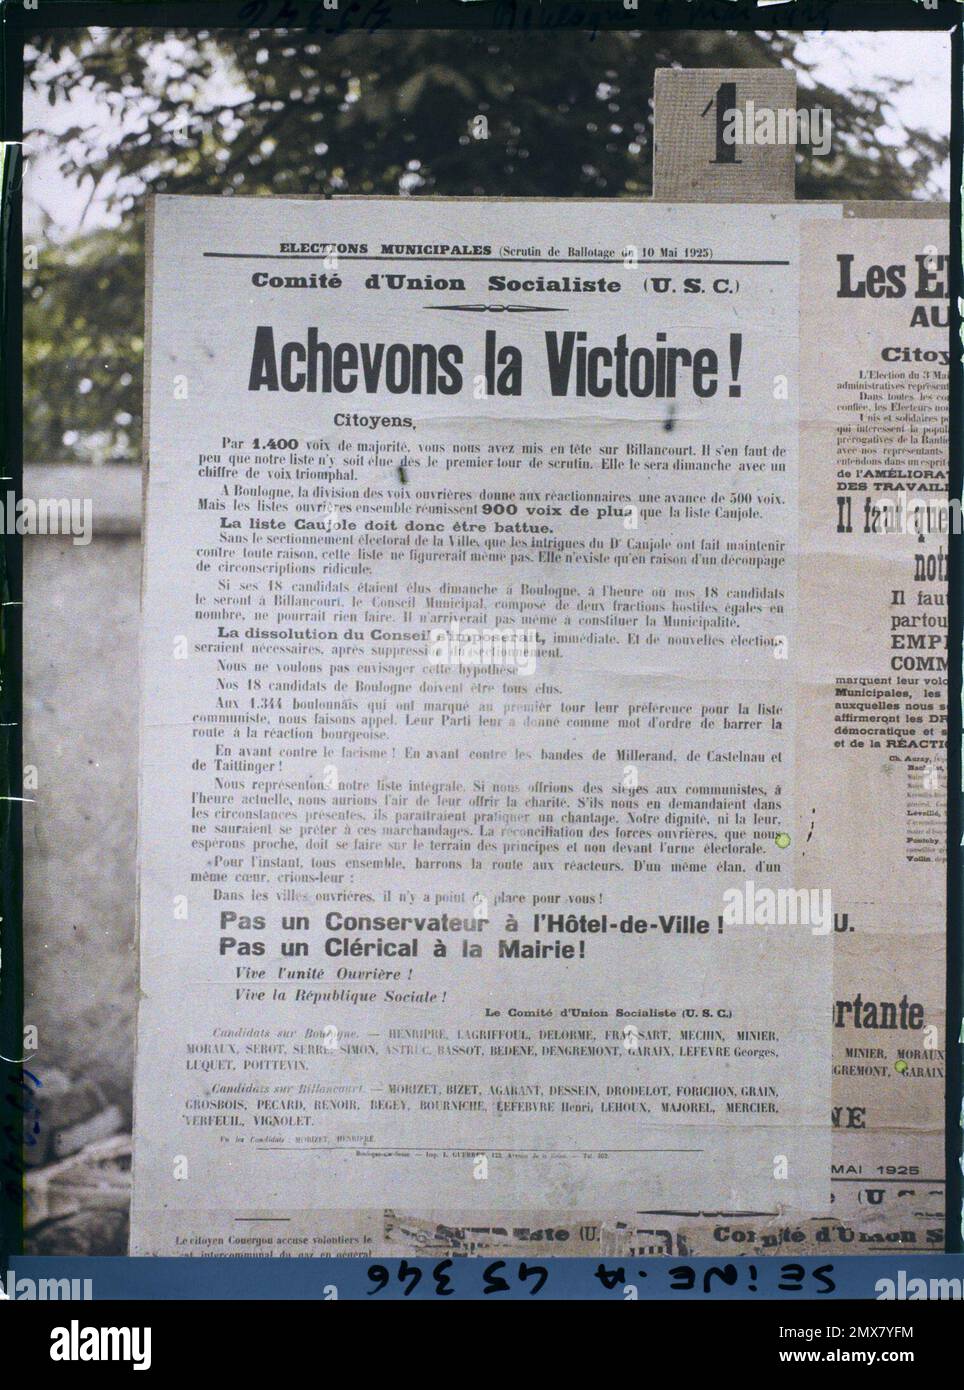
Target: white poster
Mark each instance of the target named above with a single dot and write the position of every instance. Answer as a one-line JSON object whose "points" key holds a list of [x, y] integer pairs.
{"points": [[472, 875]]}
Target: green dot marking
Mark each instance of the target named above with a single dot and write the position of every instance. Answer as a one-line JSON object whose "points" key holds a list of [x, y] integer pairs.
{"points": [[783, 839], [900, 1066]]}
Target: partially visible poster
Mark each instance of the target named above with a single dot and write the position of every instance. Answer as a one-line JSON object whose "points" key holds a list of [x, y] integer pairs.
{"points": [[875, 526]]}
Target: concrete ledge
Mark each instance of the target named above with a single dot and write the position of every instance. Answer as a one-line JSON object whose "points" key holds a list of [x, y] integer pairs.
{"points": [[114, 490]]}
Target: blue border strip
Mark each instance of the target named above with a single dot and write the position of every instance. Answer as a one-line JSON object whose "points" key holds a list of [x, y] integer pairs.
{"points": [[773, 1278], [14, 1094]]}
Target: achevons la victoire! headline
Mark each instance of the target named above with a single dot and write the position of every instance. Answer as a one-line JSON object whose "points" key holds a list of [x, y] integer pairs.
{"points": [[575, 367]]}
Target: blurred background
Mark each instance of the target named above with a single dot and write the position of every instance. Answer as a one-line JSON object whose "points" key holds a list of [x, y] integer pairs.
{"points": [[117, 114], [112, 115]]}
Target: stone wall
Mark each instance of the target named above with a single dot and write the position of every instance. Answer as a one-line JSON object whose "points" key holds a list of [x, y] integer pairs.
{"points": [[80, 731]]}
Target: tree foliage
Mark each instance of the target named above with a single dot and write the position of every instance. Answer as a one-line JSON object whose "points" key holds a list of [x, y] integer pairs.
{"points": [[261, 112]]}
